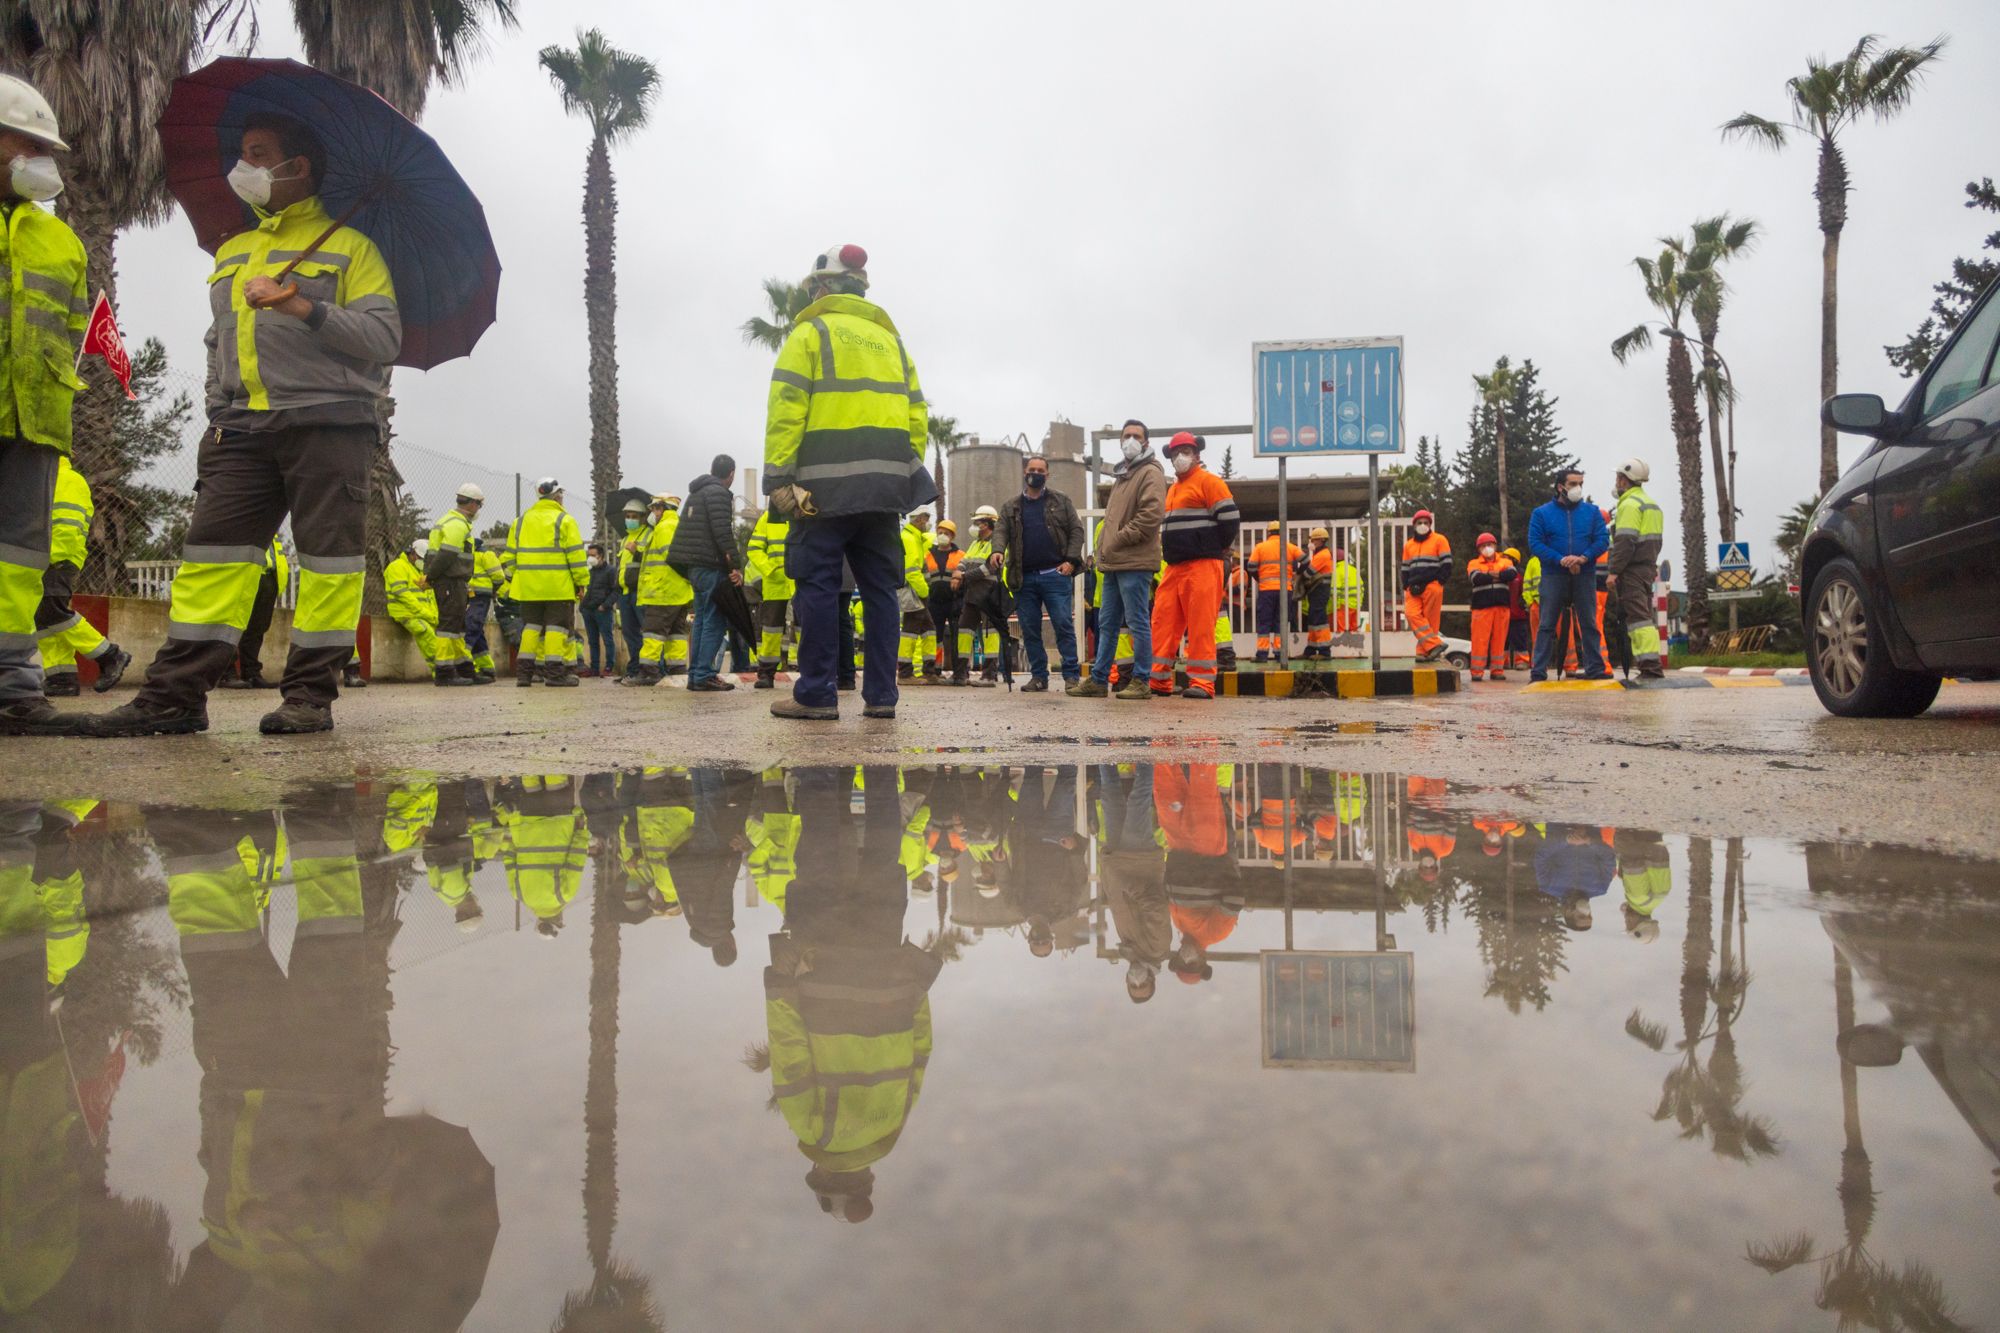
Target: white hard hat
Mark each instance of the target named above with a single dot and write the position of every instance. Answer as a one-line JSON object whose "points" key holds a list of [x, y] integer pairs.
{"points": [[1635, 471], [547, 486], [838, 260], [422, 546], [24, 109], [987, 512], [471, 491]]}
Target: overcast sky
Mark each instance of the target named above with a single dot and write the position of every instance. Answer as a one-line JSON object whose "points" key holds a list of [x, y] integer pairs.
{"points": [[1075, 212]]}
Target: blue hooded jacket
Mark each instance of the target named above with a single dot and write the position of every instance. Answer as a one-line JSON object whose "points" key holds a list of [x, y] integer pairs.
{"points": [[1554, 532]]}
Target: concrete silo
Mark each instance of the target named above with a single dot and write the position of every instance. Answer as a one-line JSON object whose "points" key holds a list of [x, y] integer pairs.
{"points": [[979, 474]]}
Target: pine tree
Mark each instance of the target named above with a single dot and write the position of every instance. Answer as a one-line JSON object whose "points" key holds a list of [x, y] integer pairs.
{"points": [[1969, 277], [1536, 455], [1228, 461]]}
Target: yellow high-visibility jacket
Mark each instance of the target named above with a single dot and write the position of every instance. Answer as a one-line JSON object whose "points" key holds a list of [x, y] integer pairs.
{"points": [[544, 555], [42, 268], [69, 530], [660, 584], [767, 556]]}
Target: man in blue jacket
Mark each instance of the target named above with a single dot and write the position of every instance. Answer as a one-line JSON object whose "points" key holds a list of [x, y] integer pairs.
{"points": [[1568, 535]]}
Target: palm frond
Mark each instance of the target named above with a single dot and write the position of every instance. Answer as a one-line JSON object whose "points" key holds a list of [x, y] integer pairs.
{"points": [[1653, 1036], [1885, 84], [1757, 129], [1783, 1253], [1625, 345], [613, 89]]}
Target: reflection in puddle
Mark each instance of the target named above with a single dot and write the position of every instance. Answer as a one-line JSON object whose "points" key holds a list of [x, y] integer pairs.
{"points": [[292, 1068]]}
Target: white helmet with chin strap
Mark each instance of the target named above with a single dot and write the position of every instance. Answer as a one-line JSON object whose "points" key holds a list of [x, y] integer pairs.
{"points": [[1635, 471], [25, 110]]}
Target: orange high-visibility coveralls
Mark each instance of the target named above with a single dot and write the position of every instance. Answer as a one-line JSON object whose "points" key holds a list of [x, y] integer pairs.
{"points": [[1426, 566], [1200, 524], [1491, 579]]}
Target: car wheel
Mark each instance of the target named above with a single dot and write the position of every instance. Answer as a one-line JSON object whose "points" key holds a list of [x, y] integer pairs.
{"points": [[1463, 661], [1852, 671]]}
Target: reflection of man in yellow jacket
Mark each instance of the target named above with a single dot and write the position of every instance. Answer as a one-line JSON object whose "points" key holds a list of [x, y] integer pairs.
{"points": [[548, 842], [461, 810], [1647, 876], [846, 994], [768, 541], [651, 831]]}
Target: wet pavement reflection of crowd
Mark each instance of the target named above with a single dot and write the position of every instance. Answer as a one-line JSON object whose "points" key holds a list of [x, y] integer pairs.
{"points": [[1188, 1045]]}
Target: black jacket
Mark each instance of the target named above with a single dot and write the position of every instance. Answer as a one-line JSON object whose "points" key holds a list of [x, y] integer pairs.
{"points": [[706, 537], [1065, 531], [602, 590]]}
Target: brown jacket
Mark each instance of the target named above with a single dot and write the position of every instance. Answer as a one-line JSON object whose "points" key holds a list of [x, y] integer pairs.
{"points": [[1132, 515]]}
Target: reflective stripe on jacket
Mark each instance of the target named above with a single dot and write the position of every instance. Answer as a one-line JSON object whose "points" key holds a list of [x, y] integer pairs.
{"points": [[69, 519], [407, 599], [42, 318], [264, 361], [1638, 530], [660, 584], [1271, 561], [915, 545], [846, 418], [1426, 560], [1201, 520], [450, 556], [1492, 579], [544, 555], [1347, 586], [767, 556], [487, 575]]}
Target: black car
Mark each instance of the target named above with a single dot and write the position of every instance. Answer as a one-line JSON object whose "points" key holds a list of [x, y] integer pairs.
{"points": [[1901, 564]]}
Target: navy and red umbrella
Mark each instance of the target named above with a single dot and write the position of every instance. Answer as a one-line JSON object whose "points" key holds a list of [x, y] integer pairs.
{"points": [[384, 177]]}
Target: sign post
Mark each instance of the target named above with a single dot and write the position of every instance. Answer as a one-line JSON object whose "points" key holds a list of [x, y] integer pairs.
{"points": [[1320, 398], [1734, 576]]}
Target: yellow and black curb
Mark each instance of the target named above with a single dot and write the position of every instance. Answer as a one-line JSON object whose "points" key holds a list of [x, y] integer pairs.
{"points": [[1353, 684]]}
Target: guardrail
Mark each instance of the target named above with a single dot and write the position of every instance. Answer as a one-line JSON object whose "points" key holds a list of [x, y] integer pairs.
{"points": [[153, 581]]}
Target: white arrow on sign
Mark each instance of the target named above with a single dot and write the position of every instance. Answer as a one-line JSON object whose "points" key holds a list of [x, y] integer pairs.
{"points": [[1350, 379], [1378, 378]]}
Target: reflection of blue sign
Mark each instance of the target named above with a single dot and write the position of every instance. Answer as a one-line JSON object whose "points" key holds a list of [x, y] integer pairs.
{"points": [[1329, 397], [1340, 1011], [1732, 555]]}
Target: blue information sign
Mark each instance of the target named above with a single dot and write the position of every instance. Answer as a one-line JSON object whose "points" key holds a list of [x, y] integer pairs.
{"points": [[1332, 396], [1340, 1011]]}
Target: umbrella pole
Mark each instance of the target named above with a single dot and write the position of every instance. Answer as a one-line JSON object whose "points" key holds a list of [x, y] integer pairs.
{"points": [[291, 289]]}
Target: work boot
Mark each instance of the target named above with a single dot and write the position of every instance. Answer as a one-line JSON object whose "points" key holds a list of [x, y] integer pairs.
{"points": [[352, 679], [989, 676], [231, 683], [1651, 673], [905, 671], [296, 717], [34, 717], [1038, 685], [961, 674], [713, 685], [1195, 692], [483, 676], [767, 678], [1135, 689], [1225, 657], [144, 718], [642, 674], [111, 668], [561, 677], [472, 675], [65, 686], [449, 676], [879, 710], [1499, 675], [524, 674], [798, 712], [1087, 688], [1431, 654]]}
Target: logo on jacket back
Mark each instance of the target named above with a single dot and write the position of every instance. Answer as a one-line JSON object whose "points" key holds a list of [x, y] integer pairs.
{"points": [[856, 338]]}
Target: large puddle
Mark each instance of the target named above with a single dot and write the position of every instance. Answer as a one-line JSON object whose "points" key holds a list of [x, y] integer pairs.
{"points": [[1111, 1046]]}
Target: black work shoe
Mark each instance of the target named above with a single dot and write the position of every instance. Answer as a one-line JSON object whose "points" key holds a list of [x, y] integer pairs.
{"points": [[111, 668], [141, 718], [481, 677], [799, 712], [767, 679], [1039, 685], [234, 683], [451, 679], [879, 710], [64, 686], [1195, 692], [713, 685], [350, 679], [564, 681], [34, 717], [295, 717], [524, 679]]}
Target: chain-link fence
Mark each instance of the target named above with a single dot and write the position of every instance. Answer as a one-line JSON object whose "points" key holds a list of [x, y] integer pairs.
{"points": [[144, 503]]}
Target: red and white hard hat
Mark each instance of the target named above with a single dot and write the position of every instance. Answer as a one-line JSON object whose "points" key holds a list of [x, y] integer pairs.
{"points": [[841, 260], [1187, 439]]}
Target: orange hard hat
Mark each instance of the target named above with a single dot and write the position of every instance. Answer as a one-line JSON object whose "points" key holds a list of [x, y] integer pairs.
{"points": [[1487, 538]]}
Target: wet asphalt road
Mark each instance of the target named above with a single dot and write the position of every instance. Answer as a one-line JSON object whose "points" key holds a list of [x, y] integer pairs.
{"points": [[1722, 762]]}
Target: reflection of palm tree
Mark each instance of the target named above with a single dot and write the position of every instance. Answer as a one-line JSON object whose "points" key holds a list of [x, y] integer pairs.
{"points": [[1521, 942], [618, 1297], [1859, 1289], [1705, 1101], [947, 946]]}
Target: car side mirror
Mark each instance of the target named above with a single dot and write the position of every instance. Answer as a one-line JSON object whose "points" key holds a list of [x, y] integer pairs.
{"points": [[1858, 414]]}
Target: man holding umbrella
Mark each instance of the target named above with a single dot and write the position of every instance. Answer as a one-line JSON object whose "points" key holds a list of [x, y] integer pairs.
{"points": [[297, 370]]}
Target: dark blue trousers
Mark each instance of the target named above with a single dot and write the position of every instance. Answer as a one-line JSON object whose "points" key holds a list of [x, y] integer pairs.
{"points": [[872, 545]]}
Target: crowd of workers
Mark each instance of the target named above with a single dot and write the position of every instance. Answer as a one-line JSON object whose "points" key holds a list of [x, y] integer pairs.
{"points": [[844, 553]]}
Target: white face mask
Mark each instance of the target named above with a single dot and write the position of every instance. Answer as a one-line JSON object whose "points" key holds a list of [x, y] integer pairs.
{"points": [[1574, 495], [597, 560], [1132, 448], [1488, 551], [1183, 464], [253, 183], [36, 178], [1421, 529], [940, 540]]}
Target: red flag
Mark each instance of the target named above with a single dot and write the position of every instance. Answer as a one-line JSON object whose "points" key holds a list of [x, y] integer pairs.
{"points": [[102, 337]]}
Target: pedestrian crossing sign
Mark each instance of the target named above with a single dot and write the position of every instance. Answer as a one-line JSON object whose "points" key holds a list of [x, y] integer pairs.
{"points": [[1732, 555]]}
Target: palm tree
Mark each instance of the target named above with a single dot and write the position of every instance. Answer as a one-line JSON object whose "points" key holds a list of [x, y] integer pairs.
{"points": [[1826, 99], [1714, 241], [1496, 392], [785, 299], [945, 437], [1670, 289], [398, 47], [1792, 529], [614, 91], [108, 77]]}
